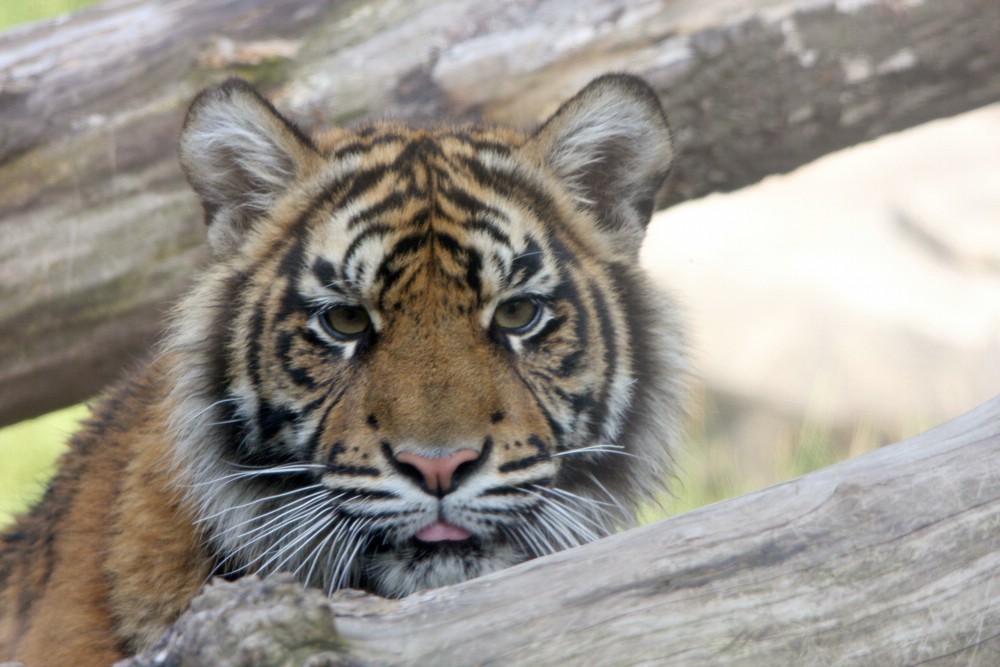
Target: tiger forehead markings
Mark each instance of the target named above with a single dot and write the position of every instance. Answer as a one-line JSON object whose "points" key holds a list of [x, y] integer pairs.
{"points": [[422, 217], [417, 356]]}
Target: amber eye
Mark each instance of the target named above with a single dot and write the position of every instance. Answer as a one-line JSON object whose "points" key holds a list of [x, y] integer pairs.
{"points": [[516, 315], [346, 321]]}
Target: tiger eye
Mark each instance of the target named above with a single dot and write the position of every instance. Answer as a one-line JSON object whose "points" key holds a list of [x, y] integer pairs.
{"points": [[347, 321], [516, 315]]}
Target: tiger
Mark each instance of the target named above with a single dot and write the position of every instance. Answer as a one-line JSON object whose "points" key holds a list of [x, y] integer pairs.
{"points": [[414, 356]]}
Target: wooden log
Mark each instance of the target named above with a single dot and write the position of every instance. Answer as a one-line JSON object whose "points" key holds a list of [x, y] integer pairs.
{"points": [[100, 233], [892, 558]]}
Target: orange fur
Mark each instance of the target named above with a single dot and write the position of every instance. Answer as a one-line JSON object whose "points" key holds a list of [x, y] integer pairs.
{"points": [[110, 557]]}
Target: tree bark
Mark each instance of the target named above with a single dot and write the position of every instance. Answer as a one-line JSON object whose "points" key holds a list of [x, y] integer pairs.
{"points": [[888, 559], [101, 233]]}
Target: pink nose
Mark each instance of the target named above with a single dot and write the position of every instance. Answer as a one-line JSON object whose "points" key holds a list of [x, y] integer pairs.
{"points": [[438, 472]]}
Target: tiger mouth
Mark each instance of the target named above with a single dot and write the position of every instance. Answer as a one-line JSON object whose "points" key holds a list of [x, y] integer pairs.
{"points": [[444, 539], [442, 531], [416, 549]]}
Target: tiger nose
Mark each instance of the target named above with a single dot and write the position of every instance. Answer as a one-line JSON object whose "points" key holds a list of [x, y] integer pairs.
{"points": [[438, 472]]}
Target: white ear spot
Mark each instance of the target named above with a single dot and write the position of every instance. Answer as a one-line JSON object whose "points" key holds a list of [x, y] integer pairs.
{"points": [[611, 146], [239, 155]]}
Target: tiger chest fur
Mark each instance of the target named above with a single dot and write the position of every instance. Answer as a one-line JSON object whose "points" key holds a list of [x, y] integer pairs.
{"points": [[416, 356]]}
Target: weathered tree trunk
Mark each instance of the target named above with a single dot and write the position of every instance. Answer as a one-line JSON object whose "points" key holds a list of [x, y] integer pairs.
{"points": [[892, 558], [100, 232]]}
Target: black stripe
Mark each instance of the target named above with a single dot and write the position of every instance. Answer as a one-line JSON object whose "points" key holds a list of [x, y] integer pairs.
{"points": [[315, 340], [372, 231], [566, 291], [417, 150], [361, 182], [391, 202], [271, 419], [538, 444], [326, 272], [233, 427], [528, 461], [570, 364], [579, 403], [364, 494], [387, 272], [375, 138], [291, 301], [449, 243], [344, 469], [483, 144], [641, 326], [480, 213], [553, 325], [494, 232], [555, 427], [253, 353], [409, 244], [521, 464], [502, 491], [609, 337], [220, 336], [353, 471], [350, 148], [466, 257], [312, 449], [297, 374], [513, 184], [527, 264], [403, 287]]}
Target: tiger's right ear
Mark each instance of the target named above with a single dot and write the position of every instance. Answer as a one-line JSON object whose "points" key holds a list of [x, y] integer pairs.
{"points": [[240, 155], [611, 146]]}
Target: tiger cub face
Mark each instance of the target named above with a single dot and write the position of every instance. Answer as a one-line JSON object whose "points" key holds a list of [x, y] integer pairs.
{"points": [[419, 356]]}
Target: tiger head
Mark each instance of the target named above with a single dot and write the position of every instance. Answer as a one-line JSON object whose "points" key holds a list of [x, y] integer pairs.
{"points": [[421, 355]]}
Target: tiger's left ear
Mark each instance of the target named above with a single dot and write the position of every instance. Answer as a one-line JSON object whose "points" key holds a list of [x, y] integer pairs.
{"points": [[240, 155], [612, 147]]}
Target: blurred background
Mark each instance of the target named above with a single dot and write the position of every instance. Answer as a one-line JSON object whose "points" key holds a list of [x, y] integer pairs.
{"points": [[850, 304], [847, 305]]}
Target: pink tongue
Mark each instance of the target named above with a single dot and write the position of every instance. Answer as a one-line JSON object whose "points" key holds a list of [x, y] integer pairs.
{"points": [[440, 531]]}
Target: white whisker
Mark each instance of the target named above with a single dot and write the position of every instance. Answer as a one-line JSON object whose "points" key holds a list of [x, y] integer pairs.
{"points": [[599, 504], [211, 406], [314, 526], [342, 567], [280, 523], [317, 552], [558, 527], [622, 509], [572, 525], [618, 450], [542, 539], [223, 423], [227, 510], [530, 542], [250, 473]]}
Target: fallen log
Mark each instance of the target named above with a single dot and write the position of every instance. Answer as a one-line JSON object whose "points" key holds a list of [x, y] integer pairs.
{"points": [[892, 558]]}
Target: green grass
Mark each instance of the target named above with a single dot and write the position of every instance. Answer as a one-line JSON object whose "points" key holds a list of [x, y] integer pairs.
{"points": [[28, 453], [14, 12], [709, 467]]}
